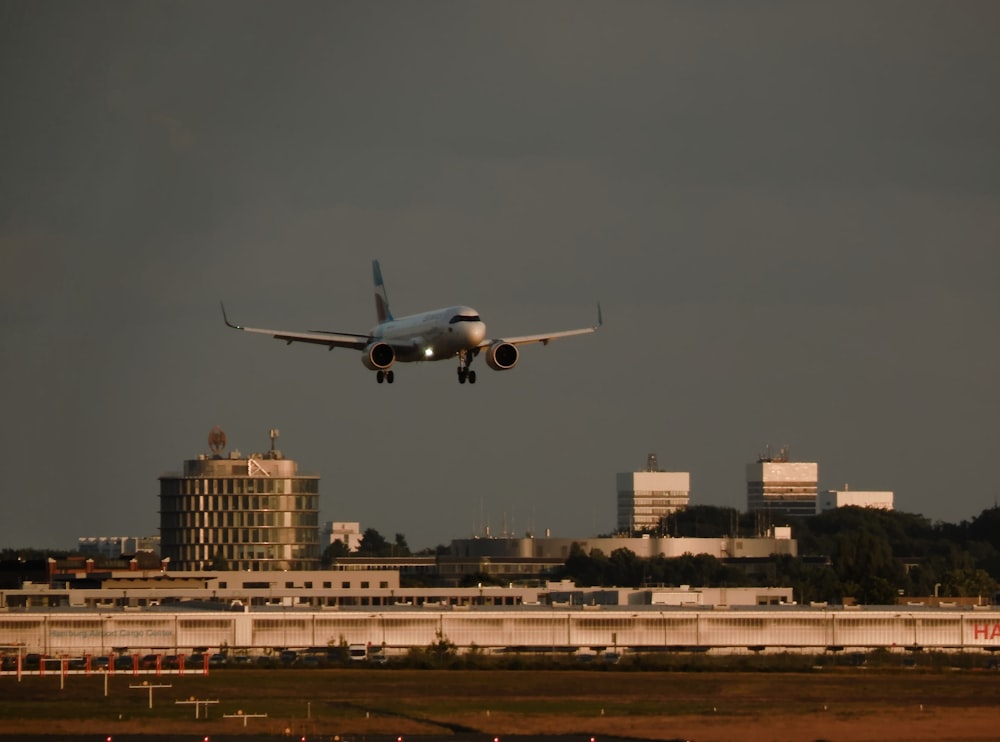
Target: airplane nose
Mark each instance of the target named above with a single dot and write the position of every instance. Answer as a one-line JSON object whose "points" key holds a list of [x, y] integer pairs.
{"points": [[476, 332], [473, 332]]}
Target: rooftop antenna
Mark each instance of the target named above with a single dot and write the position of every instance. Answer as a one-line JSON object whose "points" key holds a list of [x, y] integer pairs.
{"points": [[651, 464], [273, 434], [217, 440]]}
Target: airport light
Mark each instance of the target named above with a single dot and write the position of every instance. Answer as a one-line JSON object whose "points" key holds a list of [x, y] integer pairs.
{"points": [[240, 715], [197, 705], [147, 686]]}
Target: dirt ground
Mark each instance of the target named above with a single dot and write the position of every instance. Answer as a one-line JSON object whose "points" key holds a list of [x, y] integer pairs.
{"points": [[751, 707], [913, 725]]}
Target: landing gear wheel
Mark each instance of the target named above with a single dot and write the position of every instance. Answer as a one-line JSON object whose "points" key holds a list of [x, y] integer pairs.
{"points": [[464, 372], [380, 376], [390, 376]]}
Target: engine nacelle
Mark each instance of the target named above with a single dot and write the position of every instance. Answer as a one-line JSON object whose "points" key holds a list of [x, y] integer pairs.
{"points": [[378, 356], [501, 356]]}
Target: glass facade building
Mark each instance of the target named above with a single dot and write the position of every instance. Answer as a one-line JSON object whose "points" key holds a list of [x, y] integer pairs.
{"points": [[255, 513], [778, 487]]}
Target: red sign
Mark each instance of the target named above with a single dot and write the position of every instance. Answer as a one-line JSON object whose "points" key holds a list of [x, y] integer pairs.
{"points": [[986, 631]]}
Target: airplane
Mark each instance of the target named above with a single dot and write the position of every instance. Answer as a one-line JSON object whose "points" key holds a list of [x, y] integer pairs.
{"points": [[436, 335]]}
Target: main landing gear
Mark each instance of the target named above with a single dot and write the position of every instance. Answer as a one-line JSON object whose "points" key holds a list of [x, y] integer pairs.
{"points": [[386, 376], [464, 372]]}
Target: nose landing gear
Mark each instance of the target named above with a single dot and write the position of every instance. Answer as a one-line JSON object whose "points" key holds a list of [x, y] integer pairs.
{"points": [[464, 372]]}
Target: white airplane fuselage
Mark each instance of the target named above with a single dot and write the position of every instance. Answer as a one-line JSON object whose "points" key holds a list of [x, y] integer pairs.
{"points": [[437, 335]]}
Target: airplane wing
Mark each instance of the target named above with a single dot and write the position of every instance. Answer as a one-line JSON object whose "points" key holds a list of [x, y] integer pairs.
{"points": [[317, 337], [545, 338]]}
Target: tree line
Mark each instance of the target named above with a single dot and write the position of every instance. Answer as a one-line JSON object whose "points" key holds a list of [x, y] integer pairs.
{"points": [[873, 556]]}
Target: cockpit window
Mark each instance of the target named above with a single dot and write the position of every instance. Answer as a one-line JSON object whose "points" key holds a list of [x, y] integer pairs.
{"points": [[464, 318]]}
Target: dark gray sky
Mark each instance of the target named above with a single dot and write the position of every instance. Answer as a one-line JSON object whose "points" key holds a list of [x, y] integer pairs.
{"points": [[790, 212]]}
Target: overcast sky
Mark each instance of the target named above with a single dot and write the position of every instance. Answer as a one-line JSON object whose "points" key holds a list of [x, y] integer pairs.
{"points": [[789, 211]]}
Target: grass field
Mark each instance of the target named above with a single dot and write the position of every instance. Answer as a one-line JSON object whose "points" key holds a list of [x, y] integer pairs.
{"points": [[830, 703]]}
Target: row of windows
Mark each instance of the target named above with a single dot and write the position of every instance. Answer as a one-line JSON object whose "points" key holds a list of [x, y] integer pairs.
{"points": [[238, 486], [206, 552], [239, 520], [251, 536], [652, 493], [757, 488], [172, 503], [664, 510], [258, 565]]}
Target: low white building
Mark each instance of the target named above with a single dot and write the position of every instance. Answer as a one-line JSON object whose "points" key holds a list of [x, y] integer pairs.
{"points": [[779, 541], [830, 499]]}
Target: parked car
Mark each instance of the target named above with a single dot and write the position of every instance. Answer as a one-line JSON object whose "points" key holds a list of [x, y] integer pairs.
{"points": [[148, 662], [217, 660], [124, 662], [195, 661]]}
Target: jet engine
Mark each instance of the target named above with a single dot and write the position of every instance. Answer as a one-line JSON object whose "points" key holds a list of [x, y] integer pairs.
{"points": [[501, 356], [378, 356]]}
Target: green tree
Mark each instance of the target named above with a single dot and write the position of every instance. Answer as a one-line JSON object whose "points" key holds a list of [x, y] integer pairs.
{"points": [[400, 548], [586, 570], [218, 563], [373, 544], [334, 551]]}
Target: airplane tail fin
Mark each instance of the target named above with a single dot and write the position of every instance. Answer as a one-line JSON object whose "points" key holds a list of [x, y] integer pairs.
{"points": [[381, 299]]}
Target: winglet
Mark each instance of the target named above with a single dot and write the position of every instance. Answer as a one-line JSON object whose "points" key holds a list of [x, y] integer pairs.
{"points": [[600, 318], [381, 298], [226, 319]]}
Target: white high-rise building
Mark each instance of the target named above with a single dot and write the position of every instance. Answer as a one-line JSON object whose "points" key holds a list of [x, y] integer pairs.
{"points": [[645, 497], [777, 486]]}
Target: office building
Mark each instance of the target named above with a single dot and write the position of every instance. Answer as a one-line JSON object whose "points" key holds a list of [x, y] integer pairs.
{"points": [[116, 547], [347, 533], [645, 497], [238, 512], [779, 487]]}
